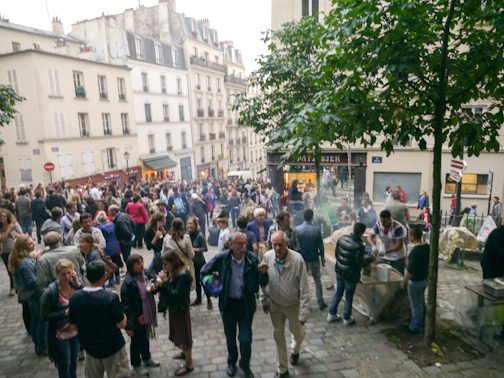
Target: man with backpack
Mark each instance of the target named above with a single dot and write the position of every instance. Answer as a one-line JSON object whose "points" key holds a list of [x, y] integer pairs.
{"points": [[178, 205]]}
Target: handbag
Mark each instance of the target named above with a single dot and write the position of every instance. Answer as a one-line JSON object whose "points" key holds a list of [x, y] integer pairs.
{"points": [[110, 267], [212, 285]]}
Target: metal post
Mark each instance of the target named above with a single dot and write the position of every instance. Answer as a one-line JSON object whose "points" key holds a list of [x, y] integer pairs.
{"points": [[456, 213]]}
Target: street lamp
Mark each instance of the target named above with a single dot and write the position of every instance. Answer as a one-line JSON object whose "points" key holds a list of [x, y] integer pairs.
{"points": [[127, 156]]}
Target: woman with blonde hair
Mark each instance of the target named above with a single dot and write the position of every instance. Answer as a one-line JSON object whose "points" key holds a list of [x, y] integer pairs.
{"points": [[9, 231], [175, 297], [180, 242], [22, 264], [76, 198], [62, 339]]}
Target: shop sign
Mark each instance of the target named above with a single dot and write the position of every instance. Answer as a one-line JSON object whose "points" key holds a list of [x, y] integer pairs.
{"points": [[36, 151], [327, 159], [111, 176], [131, 171], [223, 163], [455, 175]]}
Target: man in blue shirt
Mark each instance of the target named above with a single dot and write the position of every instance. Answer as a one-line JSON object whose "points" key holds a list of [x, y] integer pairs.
{"points": [[311, 247]]}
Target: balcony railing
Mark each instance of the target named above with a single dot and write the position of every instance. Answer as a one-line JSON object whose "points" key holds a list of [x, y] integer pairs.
{"points": [[126, 131], [235, 80], [103, 95], [212, 136], [201, 113], [107, 132], [163, 90], [152, 150], [210, 113], [213, 158], [198, 87], [231, 141], [184, 146], [221, 113], [202, 160], [84, 133], [80, 92], [244, 140], [230, 121], [209, 89], [122, 97], [222, 135], [204, 63], [146, 89], [202, 137]]}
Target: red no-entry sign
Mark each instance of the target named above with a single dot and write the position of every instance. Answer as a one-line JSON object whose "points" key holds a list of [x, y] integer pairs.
{"points": [[49, 167]]}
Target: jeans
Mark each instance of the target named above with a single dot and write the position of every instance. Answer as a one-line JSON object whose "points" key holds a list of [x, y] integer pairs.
{"points": [[139, 347], [235, 213], [314, 267], [234, 314], [125, 250], [69, 350], [26, 224], [416, 293], [274, 211], [347, 286], [139, 234], [38, 225], [38, 327]]}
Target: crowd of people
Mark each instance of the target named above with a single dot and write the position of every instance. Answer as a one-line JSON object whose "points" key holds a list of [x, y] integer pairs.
{"points": [[267, 243]]}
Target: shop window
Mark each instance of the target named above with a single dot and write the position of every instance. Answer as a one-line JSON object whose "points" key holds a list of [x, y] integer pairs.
{"points": [[471, 184]]}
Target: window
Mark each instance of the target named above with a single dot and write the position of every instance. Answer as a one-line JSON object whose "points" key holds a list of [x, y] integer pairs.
{"points": [[158, 52], [25, 169], [59, 124], [166, 113], [231, 156], [65, 163], [150, 140], [206, 56], [202, 152], [163, 84], [148, 116], [471, 184], [179, 86], [183, 139], [13, 83], [83, 124], [20, 129], [169, 144], [107, 130], [139, 48], [198, 84], [78, 78], [216, 58], [125, 123], [145, 82], [181, 112], [174, 57], [109, 158], [244, 154], [88, 162], [218, 85], [102, 86], [121, 88], [209, 83], [205, 34], [222, 149], [54, 83], [308, 10], [16, 46], [213, 152], [195, 51]]}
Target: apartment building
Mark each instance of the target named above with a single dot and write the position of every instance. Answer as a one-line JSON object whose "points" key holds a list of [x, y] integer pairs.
{"points": [[78, 112]]}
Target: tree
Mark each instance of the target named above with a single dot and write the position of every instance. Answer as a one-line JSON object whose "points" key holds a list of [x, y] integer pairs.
{"points": [[8, 98], [408, 68], [285, 111]]}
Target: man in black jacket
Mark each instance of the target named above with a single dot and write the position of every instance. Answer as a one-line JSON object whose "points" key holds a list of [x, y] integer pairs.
{"points": [[240, 274], [125, 228], [350, 258]]}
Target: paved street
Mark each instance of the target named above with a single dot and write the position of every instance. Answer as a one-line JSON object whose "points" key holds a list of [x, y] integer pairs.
{"points": [[329, 350]]}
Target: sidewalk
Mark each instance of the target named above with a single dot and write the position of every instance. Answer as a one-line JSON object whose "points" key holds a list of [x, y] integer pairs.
{"points": [[329, 350]]}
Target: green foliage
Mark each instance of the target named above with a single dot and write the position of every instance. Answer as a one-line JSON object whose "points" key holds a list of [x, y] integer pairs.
{"points": [[8, 98]]}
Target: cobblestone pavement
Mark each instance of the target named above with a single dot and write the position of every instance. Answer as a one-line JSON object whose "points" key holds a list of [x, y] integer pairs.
{"points": [[329, 350]]}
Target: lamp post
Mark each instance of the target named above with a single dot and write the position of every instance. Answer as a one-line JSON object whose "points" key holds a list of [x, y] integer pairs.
{"points": [[127, 156]]}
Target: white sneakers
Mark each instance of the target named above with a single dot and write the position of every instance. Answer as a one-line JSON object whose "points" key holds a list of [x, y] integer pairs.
{"points": [[349, 322], [336, 318], [333, 318]]}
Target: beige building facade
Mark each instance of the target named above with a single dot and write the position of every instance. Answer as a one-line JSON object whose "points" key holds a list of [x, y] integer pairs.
{"points": [[78, 114], [412, 169]]}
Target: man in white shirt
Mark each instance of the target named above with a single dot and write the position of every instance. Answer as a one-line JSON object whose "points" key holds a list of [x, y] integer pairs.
{"points": [[286, 297], [95, 192]]}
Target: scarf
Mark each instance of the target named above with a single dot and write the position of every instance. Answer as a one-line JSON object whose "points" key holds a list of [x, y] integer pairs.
{"points": [[193, 235], [148, 307]]}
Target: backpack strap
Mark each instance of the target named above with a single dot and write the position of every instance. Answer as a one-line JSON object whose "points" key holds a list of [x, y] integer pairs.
{"points": [[54, 292]]}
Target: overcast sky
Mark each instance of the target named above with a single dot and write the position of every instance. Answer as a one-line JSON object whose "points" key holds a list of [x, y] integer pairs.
{"points": [[241, 21]]}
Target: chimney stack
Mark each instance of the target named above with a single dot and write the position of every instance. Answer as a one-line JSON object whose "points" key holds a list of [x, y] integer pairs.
{"points": [[57, 27]]}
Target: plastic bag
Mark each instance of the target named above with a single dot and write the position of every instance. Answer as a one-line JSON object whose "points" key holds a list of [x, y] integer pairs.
{"points": [[486, 228]]}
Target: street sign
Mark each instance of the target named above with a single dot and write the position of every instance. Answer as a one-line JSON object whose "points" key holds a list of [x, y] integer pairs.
{"points": [[376, 159], [455, 175], [49, 167], [458, 164]]}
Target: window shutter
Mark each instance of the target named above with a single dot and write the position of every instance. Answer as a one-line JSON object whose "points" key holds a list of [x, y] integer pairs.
{"points": [[57, 83], [57, 125], [62, 164], [52, 89], [69, 166], [62, 124], [21, 127], [15, 82], [118, 157], [105, 160]]}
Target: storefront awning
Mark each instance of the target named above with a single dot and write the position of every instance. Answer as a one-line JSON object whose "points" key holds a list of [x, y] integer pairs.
{"points": [[160, 163]]}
